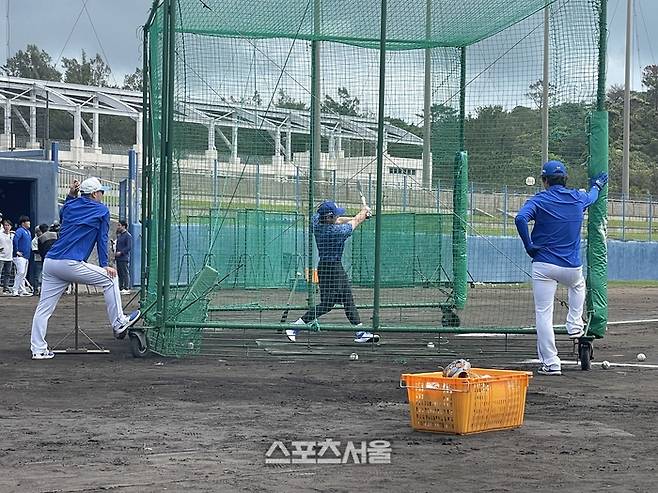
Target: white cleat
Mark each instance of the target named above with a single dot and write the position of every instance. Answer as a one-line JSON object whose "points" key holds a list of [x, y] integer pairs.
{"points": [[47, 354], [362, 337]]}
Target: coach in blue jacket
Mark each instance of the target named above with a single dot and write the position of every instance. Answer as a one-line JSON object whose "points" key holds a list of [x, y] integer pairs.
{"points": [[554, 246], [85, 223], [22, 244]]}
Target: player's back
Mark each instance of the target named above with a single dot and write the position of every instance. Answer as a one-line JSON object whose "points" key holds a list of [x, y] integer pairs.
{"points": [[558, 216], [81, 222]]}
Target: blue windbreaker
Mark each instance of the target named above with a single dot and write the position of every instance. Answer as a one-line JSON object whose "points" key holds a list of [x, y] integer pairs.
{"points": [[84, 223], [558, 214], [22, 242]]}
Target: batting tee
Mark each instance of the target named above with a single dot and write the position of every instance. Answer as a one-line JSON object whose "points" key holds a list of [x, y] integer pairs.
{"points": [[256, 112]]}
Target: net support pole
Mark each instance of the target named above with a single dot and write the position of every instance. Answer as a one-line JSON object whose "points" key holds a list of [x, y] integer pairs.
{"points": [[545, 87], [626, 157], [316, 147], [427, 103], [146, 151], [460, 201], [166, 161], [379, 191], [597, 250]]}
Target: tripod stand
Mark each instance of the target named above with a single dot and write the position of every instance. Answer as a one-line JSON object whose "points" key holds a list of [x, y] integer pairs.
{"points": [[76, 332]]}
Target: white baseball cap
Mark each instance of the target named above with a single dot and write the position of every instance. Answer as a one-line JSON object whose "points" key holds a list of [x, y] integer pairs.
{"points": [[91, 185]]}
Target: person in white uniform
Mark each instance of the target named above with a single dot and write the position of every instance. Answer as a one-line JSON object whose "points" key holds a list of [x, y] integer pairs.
{"points": [[85, 223]]}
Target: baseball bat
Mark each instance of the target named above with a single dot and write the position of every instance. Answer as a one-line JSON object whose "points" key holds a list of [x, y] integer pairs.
{"points": [[363, 198]]}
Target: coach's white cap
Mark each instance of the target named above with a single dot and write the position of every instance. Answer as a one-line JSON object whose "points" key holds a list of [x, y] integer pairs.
{"points": [[91, 185]]}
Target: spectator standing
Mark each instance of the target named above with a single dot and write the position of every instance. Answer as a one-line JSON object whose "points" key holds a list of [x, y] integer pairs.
{"points": [[22, 244], [37, 257], [122, 255], [6, 249], [46, 239]]}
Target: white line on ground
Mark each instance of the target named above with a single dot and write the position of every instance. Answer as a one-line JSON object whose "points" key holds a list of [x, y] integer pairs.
{"points": [[598, 363]]}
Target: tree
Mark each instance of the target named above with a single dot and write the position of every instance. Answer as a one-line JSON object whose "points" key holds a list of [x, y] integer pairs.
{"points": [[536, 93], [346, 104], [286, 101], [91, 72], [32, 64], [650, 81], [134, 81], [253, 100]]}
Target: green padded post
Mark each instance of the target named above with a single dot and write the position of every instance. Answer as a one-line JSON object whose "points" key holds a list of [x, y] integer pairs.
{"points": [[459, 257]]}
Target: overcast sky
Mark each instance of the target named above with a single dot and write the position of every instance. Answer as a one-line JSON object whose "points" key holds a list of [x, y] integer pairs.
{"points": [[49, 23]]}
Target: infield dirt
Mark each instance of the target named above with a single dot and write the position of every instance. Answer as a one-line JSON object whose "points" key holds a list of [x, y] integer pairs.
{"points": [[112, 422]]}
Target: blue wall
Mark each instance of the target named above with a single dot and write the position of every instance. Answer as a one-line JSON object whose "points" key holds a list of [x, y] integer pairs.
{"points": [[44, 192]]}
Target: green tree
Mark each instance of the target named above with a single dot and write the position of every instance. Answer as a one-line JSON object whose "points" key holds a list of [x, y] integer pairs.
{"points": [[346, 105], [650, 81], [134, 81], [91, 72], [536, 93], [286, 101], [32, 63]]}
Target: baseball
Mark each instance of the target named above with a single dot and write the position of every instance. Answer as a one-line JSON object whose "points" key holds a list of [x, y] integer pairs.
{"points": [[430, 345], [354, 357], [530, 181], [641, 357], [190, 345], [605, 365]]}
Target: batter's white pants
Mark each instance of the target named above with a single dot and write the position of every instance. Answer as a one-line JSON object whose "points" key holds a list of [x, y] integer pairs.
{"points": [[19, 278], [545, 278], [56, 276]]}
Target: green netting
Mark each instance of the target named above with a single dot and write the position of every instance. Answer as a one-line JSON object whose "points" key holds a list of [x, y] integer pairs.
{"points": [[412, 24], [230, 159]]}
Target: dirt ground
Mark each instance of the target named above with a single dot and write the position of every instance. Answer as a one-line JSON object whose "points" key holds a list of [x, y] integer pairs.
{"points": [[112, 422]]}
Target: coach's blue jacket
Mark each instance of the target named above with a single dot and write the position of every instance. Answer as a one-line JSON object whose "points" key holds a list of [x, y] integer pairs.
{"points": [[558, 214], [85, 223], [22, 242]]}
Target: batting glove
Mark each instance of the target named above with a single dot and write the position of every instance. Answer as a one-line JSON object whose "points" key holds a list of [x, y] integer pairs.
{"points": [[599, 181]]}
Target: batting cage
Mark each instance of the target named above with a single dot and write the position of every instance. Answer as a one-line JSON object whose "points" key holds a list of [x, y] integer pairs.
{"points": [[435, 114]]}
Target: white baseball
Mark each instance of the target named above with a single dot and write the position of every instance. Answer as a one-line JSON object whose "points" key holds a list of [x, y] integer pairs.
{"points": [[530, 181], [605, 365], [354, 356], [641, 356]]}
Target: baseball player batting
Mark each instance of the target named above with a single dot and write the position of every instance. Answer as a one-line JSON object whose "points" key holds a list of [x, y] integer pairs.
{"points": [[331, 230]]}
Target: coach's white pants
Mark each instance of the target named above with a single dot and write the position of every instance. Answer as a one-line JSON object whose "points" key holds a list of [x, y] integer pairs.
{"points": [[56, 276], [545, 278], [19, 278]]}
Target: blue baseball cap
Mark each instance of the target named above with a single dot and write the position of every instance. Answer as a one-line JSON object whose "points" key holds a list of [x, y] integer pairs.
{"points": [[329, 207], [554, 168]]}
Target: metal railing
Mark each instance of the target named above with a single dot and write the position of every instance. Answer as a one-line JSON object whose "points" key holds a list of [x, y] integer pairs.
{"points": [[66, 176]]}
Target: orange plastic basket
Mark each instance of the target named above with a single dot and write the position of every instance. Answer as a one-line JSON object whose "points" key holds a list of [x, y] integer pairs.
{"points": [[488, 400]]}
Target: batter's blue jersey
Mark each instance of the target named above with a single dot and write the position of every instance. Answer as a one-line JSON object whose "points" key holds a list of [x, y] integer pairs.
{"points": [[330, 238], [85, 223], [558, 214]]}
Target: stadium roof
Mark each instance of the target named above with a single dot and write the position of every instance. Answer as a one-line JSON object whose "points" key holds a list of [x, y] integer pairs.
{"points": [[119, 102]]}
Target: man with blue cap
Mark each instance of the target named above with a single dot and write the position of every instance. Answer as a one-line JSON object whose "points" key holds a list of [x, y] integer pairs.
{"points": [[554, 247], [331, 229], [85, 223]]}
